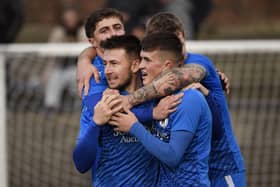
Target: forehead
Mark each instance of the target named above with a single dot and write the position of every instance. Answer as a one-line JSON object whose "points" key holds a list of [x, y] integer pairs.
{"points": [[150, 54], [114, 54], [107, 22]]}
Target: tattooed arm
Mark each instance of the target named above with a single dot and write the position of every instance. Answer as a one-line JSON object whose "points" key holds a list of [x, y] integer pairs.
{"points": [[168, 82]]}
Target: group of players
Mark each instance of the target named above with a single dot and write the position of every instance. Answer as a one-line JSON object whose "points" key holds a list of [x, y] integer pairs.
{"points": [[164, 121]]}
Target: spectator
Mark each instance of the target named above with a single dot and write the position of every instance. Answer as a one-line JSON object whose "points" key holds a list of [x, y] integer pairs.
{"points": [[135, 14], [63, 71], [191, 12], [11, 19]]}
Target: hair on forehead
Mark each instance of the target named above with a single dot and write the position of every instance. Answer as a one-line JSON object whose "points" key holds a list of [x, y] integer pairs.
{"points": [[164, 42], [98, 16], [131, 44]]}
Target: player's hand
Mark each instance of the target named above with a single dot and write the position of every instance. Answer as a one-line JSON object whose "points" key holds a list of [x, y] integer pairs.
{"points": [[125, 102], [198, 86], [225, 82], [105, 108], [83, 75], [123, 121], [85, 70], [109, 91], [166, 106]]}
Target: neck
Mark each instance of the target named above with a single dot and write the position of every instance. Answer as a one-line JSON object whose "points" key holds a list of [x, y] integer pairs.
{"points": [[99, 52], [135, 83]]}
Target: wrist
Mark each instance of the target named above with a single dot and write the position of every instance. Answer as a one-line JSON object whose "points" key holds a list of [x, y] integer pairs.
{"points": [[155, 117], [206, 93], [97, 121], [130, 101], [134, 128]]}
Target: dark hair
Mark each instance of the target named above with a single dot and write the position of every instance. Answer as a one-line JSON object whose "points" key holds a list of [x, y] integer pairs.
{"points": [[166, 42], [131, 44], [164, 22], [98, 16]]}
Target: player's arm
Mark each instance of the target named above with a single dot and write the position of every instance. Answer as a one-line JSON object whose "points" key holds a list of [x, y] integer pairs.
{"points": [[224, 81], [170, 153], [85, 70], [146, 112], [168, 82], [86, 149], [217, 121], [211, 98], [185, 122]]}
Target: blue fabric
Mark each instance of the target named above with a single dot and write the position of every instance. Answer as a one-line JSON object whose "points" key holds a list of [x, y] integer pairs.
{"points": [[87, 152], [217, 128], [124, 161], [188, 165], [238, 179], [170, 153], [225, 157]]}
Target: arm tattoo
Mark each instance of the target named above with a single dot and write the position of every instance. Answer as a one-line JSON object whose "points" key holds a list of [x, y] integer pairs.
{"points": [[168, 82]]}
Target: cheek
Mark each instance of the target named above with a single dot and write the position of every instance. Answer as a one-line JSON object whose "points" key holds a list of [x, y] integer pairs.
{"points": [[121, 32]]}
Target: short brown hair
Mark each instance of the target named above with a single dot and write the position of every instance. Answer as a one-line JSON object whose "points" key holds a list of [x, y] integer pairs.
{"points": [[164, 22], [165, 42], [99, 15]]}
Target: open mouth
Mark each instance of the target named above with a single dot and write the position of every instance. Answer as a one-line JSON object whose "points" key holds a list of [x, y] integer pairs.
{"points": [[144, 74]]}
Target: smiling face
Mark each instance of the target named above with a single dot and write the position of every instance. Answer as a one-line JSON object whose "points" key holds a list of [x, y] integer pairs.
{"points": [[150, 66], [105, 29], [118, 68]]}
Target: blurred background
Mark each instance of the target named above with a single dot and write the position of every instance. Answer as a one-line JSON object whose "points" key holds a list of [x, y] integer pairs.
{"points": [[227, 19], [40, 109]]}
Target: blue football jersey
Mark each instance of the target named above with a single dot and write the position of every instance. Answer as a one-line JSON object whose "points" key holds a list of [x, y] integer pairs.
{"points": [[97, 145], [124, 161], [192, 115], [225, 156]]}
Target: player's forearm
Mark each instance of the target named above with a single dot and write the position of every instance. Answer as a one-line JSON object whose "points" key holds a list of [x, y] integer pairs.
{"points": [[86, 56], [168, 82], [85, 152], [144, 112], [217, 120], [169, 153]]}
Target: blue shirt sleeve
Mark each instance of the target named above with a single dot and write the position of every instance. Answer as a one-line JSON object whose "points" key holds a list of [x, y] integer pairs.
{"points": [[217, 129], [170, 153], [144, 112], [187, 115], [87, 147]]}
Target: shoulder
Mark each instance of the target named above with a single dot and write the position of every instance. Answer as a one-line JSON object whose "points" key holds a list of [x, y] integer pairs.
{"points": [[192, 99], [192, 93], [201, 60]]}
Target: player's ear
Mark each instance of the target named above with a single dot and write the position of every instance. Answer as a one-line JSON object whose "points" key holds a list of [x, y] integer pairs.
{"points": [[93, 42], [168, 64], [135, 65]]}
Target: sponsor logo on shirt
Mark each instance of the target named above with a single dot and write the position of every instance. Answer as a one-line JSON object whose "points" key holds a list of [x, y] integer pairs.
{"points": [[125, 137]]}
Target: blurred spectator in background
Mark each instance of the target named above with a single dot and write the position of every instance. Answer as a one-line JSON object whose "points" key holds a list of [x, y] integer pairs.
{"points": [[11, 19], [191, 12], [63, 70], [135, 13]]}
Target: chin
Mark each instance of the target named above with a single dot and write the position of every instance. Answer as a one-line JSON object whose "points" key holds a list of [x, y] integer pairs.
{"points": [[111, 86], [146, 82]]}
